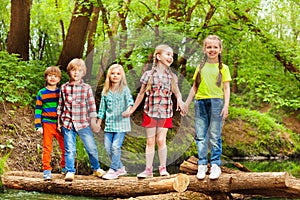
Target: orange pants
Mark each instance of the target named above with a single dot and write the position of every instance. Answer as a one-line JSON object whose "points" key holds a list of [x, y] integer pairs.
{"points": [[50, 131]]}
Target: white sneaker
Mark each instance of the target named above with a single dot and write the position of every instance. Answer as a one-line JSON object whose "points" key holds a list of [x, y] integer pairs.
{"points": [[215, 171], [110, 175], [202, 169], [121, 171], [69, 176]]}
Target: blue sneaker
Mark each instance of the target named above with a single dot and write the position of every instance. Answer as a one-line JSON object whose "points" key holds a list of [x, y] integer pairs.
{"points": [[63, 171], [47, 175]]}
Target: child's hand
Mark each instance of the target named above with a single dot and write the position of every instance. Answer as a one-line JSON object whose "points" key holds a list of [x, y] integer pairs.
{"points": [[127, 112], [95, 125], [182, 107], [40, 130], [58, 127]]}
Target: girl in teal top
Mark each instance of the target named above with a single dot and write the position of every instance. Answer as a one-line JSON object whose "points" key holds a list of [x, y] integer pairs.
{"points": [[211, 93], [116, 99]]}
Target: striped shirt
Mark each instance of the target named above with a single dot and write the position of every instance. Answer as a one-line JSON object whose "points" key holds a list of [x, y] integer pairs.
{"points": [[158, 102], [111, 108], [76, 105], [45, 108]]}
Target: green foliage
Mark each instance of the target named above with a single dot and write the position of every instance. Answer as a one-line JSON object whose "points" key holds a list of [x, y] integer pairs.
{"points": [[20, 80], [2, 164], [269, 137]]}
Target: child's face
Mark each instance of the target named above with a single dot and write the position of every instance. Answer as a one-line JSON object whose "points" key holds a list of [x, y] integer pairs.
{"points": [[115, 75], [212, 49], [165, 57], [76, 74], [52, 79]]}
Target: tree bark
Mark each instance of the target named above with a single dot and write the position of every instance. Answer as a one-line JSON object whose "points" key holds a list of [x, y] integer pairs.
{"points": [[73, 46], [18, 37]]}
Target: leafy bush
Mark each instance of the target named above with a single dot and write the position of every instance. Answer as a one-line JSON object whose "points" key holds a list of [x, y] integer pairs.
{"points": [[20, 80]]}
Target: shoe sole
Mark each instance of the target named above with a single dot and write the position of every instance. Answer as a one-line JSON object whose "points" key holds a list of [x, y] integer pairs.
{"points": [[142, 177]]}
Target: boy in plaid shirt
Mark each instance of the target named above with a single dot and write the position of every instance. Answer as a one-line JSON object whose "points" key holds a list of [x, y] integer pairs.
{"points": [[76, 111]]}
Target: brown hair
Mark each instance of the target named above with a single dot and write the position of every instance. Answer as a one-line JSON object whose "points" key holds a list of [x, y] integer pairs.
{"points": [[76, 63], [219, 77], [108, 84], [52, 70], [158, 50]]}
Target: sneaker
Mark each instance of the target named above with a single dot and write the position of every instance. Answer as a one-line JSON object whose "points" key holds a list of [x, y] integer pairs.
{"points": [[63, 171], [163, 171], [69, 176], [110, 175], [215, 172], [122, 171], [99, 173], [47, 175], [202, 169], [146, 174]]}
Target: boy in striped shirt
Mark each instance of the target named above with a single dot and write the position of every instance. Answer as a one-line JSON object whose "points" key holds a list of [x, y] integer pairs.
{"points": [[46, 118]]}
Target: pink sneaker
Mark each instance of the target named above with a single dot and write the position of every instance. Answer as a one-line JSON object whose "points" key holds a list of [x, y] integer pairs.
{"points": [[146, 174], [163, 171], [110, 175], [122, 171]]}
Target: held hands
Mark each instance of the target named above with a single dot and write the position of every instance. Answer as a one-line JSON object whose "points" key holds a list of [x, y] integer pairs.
{"points": [[181, 107], [96, 125], [127, 112]]}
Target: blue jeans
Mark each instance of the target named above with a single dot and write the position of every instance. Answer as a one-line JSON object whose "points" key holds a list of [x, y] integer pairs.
{"points": [[113, 143], [208, 125], [86, 135]]}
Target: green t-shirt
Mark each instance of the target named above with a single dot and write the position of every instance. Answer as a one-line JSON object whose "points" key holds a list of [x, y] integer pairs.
{"points": [[208, 88]]}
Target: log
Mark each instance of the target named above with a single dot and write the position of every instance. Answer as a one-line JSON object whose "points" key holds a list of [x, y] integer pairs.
{"points": [[269, 184], [93, 186], [190, 166]]}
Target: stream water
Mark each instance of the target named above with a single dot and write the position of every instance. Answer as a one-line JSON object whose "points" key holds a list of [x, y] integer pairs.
{"points": [[290, 166]]}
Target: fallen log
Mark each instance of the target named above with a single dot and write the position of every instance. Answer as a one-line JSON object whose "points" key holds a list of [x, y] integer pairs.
{"points": [[92, 186], [270, 184]]}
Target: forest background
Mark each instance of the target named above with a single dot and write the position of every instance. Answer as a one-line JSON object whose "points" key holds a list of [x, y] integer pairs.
{"points": [[261, 47]]}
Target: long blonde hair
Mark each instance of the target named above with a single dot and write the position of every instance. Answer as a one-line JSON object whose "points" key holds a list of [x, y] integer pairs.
{"points": [[158, 50], [108, 84], [219, 77]]}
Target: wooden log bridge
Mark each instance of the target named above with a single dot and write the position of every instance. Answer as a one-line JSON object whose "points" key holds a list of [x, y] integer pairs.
{"points": [[269, 184]]}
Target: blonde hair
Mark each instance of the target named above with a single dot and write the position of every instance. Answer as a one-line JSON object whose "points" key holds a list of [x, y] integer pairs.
{"points": [[76, 63], [219, 77], [108, 84], [158, 50]]}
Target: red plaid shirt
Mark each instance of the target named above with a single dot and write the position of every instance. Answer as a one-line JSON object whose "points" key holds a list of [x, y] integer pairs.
{"points": [[76, 105], [158, 102]]}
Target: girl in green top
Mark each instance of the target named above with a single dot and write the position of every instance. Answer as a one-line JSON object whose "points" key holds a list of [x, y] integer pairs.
{"points": [[211, 93]]}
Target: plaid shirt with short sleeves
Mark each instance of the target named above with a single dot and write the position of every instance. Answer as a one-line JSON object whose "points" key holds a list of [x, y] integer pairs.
{"points": [[76, 105], [158, 102], [111, 108]]}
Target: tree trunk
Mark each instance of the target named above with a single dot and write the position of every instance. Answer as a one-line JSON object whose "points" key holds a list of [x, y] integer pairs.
{"points": [[18, 37], [91, 43], [73, 46]]}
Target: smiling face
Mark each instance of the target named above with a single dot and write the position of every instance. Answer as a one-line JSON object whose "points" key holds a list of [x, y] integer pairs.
{"points": [[52, 79], [212, 48], [163, 55], [115, 75]]}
